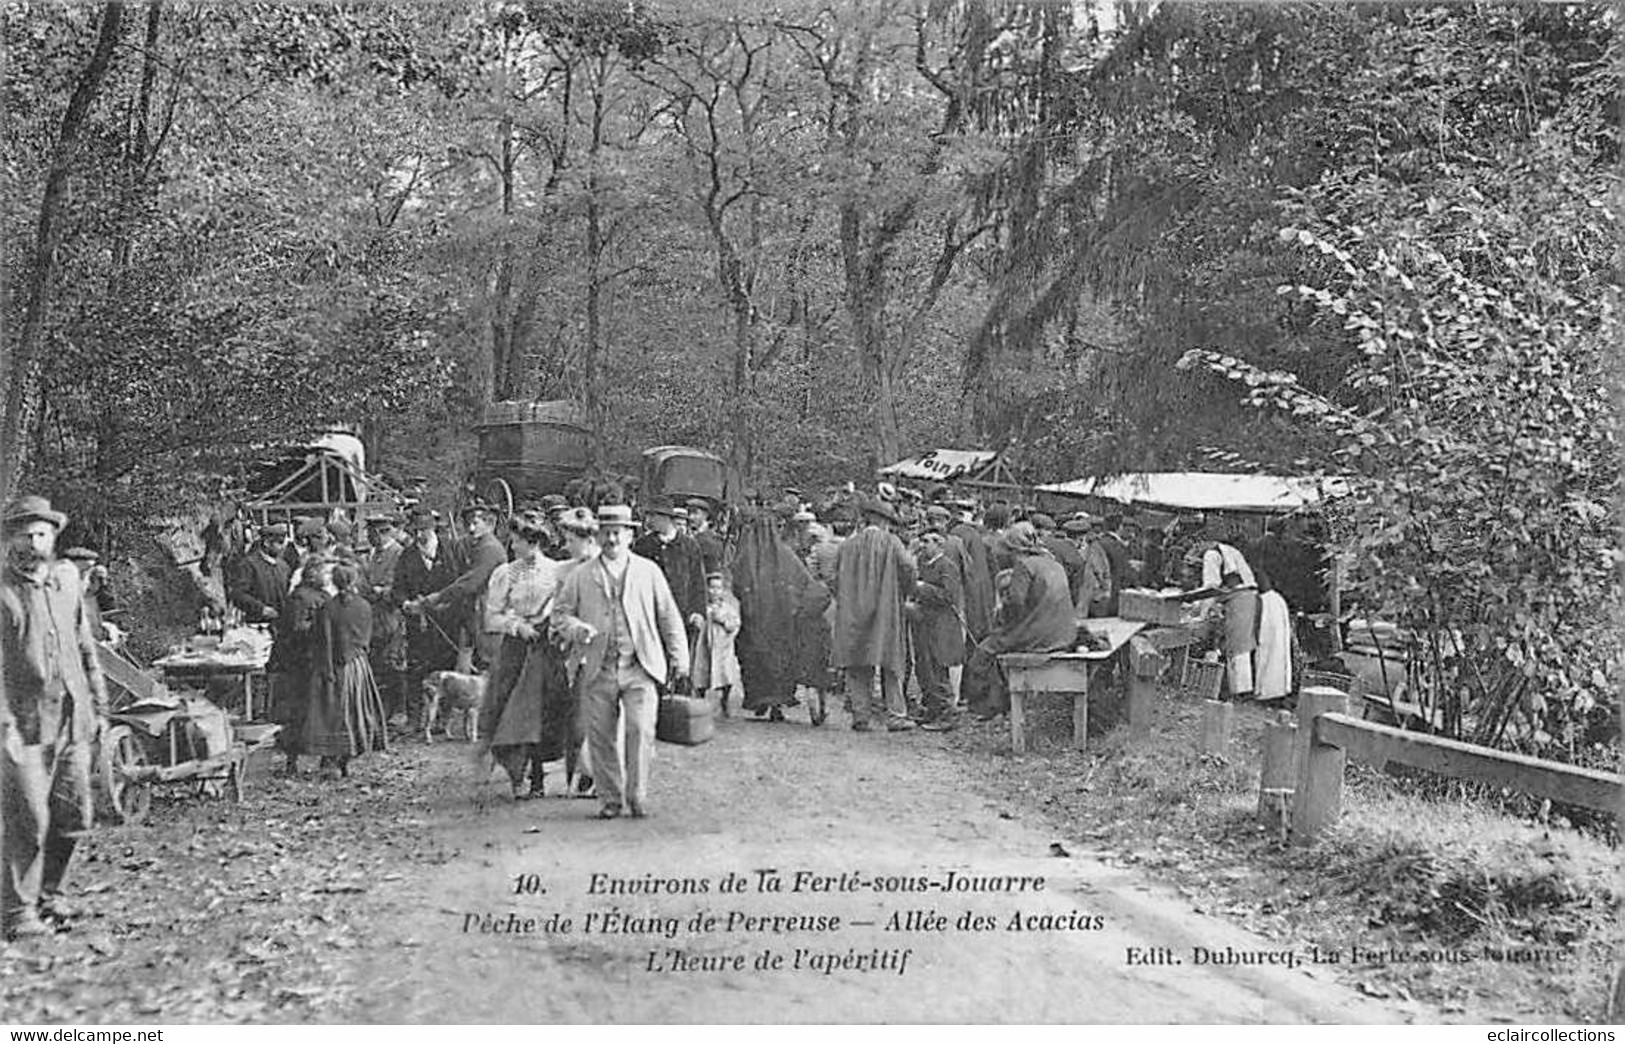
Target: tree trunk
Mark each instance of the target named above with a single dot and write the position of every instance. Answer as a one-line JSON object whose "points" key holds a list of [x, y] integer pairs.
{"points": [[20, 368], [591, 370]]}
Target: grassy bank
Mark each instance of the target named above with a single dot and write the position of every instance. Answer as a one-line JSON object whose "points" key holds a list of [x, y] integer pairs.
{"points": [[1449, 902]]}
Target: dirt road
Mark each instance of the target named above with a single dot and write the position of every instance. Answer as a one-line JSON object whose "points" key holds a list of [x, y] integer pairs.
{"points": [[368, 900], [852, 827]]}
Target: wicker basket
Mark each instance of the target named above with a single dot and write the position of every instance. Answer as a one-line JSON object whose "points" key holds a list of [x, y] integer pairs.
{"points": [[1201, 679]]}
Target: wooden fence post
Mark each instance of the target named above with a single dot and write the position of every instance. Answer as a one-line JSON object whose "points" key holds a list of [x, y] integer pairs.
{"points": [[1217, 719], [1319, 798], [1278, 775], [1146, 662]]}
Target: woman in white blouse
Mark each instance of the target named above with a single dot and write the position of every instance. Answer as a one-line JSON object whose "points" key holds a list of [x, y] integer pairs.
{"points": [[519, 718]]}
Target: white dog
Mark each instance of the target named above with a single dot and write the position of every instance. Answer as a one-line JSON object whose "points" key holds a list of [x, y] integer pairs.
{"points": [[445, 693]]}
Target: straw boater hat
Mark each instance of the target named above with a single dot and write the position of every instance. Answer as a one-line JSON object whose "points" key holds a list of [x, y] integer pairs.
{"points": [[33, 509], [616, 515]]}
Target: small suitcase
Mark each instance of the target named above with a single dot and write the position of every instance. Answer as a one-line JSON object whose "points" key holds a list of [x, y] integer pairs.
{"points": [[685, 720]]}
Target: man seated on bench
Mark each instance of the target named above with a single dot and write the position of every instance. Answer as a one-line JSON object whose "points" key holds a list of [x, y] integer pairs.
{"points": [[1035, 615]]}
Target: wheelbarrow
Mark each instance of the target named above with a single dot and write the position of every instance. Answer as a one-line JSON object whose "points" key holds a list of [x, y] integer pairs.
{"points": [[159, 738]]}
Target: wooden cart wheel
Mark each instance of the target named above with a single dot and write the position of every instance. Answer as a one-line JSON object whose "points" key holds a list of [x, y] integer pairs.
{"points": [[500, 496], [125, 801]]}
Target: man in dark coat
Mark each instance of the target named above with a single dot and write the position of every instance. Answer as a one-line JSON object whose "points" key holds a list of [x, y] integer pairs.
{"points": [[464, 597], [977, 571], [874, 574], [388, 653], [423, 567], [713, 552], [1064, 550], [1116, 548], [678, 556], [257, 581], [938, 627]]}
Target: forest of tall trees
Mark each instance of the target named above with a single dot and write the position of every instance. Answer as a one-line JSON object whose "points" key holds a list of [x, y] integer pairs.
{"points": [[1376, 239]]}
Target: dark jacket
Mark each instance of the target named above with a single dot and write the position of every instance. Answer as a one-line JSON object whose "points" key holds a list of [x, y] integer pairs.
{"points": [[46, 645], [255, 583], [1071, 559], [295, 631], [978, 576], [683, 563], [1037, 614], [938, 621], [462, 596], [713, 552], [343, 632]]}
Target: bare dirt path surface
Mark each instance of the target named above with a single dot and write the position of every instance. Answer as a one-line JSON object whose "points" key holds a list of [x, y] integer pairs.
{"points": [[362, 901], [889, 811]]}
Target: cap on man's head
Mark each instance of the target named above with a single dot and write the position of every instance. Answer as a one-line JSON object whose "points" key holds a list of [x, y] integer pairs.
{"points": [[936, 512], [666, 508], [698, 504], [804, 516], [1042, 521], [554, 502], [274, 531], [380, 519], [24, 510]]}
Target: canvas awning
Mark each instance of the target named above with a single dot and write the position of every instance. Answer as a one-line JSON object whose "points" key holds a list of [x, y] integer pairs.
{"points": [[942, 465], [1208, 491]]}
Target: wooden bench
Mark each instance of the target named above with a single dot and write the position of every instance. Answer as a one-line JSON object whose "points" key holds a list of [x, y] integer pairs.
{"points": [[1063, 673]]}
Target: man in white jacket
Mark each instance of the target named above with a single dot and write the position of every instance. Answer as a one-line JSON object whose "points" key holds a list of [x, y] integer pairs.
{"points": [[621, 607]]}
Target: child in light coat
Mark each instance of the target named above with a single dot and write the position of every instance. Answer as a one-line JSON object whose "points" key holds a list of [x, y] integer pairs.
{"points": [[715, 664]]}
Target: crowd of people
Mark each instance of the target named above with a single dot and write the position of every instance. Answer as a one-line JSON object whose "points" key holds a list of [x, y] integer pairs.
{"points": [[579, 619]]}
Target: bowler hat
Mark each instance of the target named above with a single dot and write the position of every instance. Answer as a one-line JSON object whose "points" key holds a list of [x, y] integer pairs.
{"points": [[33, 509], [616, 515], [477, 507], [422, 518], [553, 502], [80, 554], [1042, 521], [665, 507], [274, 531], [698, 504]]}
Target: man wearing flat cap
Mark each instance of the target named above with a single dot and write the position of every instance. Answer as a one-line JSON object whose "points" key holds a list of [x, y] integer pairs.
{"points": [[422, 568], [257, 581], [465, 595], [874, 574], [53, 710], [713, 552], [678, 556], [388, 651]]}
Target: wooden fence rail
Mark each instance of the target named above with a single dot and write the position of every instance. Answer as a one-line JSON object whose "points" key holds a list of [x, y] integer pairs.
{"points": [[1328, 735]]}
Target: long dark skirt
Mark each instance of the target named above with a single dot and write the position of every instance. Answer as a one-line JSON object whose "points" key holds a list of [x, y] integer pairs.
{"points": [[530, 707], [289, 692], [345, 715]]}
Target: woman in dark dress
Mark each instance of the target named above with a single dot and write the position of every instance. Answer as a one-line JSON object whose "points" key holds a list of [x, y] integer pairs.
{"points": [[346, 714], [291, 658]]}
